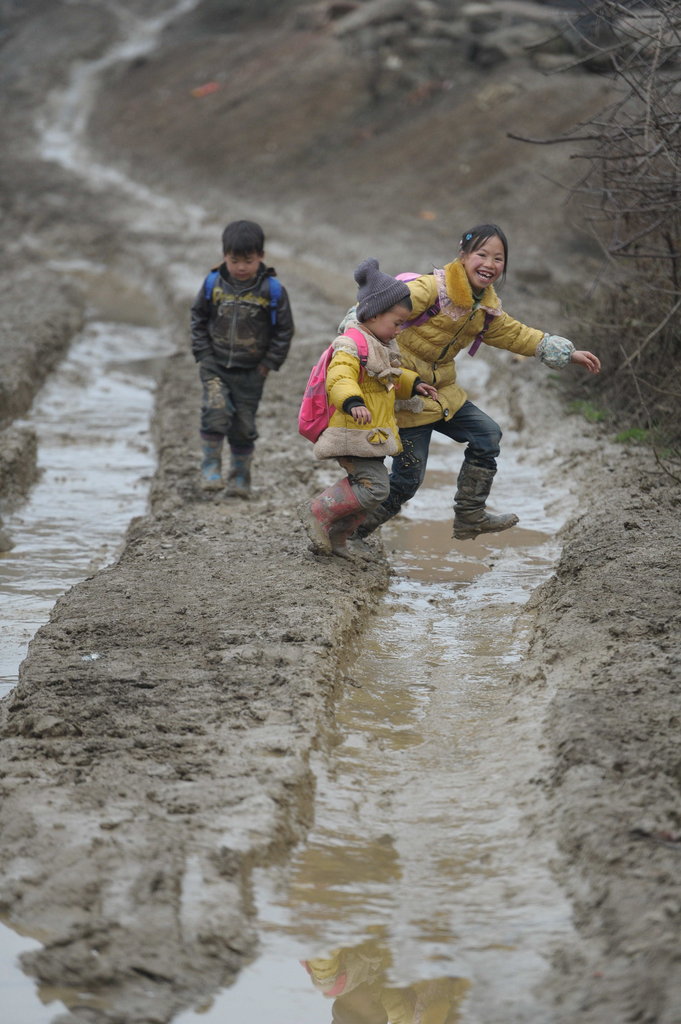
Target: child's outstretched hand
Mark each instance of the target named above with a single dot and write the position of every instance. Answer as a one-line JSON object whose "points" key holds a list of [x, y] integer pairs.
{"points": [[360, 414], [426, 389], [588, 360]]}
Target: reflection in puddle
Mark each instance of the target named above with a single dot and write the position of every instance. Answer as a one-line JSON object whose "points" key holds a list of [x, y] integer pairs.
{"points": [[20, 1004], [422, 895], [358, 981], [22, 1001]]}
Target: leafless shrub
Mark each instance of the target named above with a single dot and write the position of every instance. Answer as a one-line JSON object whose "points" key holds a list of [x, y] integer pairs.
{"points": [[629, 199]]}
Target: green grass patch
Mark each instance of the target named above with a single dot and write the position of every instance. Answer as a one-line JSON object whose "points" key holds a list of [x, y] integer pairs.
{"points": [[586, 409], [635, 435]]}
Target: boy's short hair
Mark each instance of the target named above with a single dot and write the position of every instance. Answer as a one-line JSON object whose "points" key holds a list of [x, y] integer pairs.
{"points": [[243, 237]]}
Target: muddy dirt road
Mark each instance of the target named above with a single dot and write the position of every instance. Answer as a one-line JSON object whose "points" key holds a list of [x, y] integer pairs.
{"points": [[143, 788]]}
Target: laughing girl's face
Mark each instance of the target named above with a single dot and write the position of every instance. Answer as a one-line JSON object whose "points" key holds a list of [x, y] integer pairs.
{"points": [[485, 264]]}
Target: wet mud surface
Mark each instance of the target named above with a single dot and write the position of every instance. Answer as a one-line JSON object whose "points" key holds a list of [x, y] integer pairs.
{"points": [[157, 749]]}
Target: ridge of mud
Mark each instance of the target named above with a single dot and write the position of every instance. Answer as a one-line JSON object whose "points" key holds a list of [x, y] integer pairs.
{"points": [[607, 644]]}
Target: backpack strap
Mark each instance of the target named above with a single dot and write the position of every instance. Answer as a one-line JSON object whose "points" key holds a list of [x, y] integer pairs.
{"points": [[209, 283], [275, 295], [275, 292], [427, 314], [478, 341], [361, 343], [423, 318]]}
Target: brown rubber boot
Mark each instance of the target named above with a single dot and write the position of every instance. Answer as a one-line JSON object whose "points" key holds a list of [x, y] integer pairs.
{"points": [[333, 504], [470, 515]]}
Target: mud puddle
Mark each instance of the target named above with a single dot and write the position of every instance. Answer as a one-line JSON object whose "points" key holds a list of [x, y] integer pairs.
{"points": [[96, 457], [423, 886], [92, 418]]}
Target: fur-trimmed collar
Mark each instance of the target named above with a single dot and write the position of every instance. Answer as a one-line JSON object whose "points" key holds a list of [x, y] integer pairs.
{"points": [[383, 359], [456, 296]]}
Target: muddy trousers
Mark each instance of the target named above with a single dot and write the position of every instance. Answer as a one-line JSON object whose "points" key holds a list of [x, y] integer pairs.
{"points": [[229, 403], [469, 426], [369, 480]]}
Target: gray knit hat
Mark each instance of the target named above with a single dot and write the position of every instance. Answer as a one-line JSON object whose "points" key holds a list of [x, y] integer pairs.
{"points": [[377, 292]]}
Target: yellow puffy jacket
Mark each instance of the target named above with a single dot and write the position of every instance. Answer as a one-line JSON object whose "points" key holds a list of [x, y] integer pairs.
{"points": [[430, 349], [377, 384]]}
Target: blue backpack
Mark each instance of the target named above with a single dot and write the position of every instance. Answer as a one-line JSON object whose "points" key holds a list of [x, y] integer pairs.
{"points": [[275, 292]]}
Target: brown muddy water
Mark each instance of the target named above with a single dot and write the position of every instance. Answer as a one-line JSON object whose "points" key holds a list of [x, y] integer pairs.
{"points": [[422, 892]]}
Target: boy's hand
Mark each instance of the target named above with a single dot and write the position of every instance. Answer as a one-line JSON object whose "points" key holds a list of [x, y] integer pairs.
{"points": [[588, 360], [263, 370], [426, 389], [360, 414]]}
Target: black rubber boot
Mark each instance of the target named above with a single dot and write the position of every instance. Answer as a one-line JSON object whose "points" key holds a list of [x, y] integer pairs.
{"points": [[470, 515], [211, 464], [372, 521], [239, 479], [341, 532]]}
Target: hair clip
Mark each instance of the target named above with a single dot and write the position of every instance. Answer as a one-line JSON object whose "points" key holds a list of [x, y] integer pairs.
{"points": [[468, 237]]}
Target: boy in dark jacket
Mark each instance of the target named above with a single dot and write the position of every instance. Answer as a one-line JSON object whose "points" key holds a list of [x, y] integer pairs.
{"points": [[241, 328]]}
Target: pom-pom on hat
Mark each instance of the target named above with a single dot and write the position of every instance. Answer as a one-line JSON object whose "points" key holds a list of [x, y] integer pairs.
{"points": [[377, 291]]}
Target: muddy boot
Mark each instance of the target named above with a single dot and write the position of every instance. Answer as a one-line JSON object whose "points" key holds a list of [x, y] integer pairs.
{"points": [[211, 464], [333, 504], [341, 531], [470, 515], [239, 479]]}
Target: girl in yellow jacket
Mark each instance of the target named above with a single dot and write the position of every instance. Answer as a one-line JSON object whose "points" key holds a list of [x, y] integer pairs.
{"points": [[456, 308], [363, 429]]}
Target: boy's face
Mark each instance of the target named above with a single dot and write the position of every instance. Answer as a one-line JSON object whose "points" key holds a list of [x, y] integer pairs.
{"points": [[244, 266], [386, 325]]}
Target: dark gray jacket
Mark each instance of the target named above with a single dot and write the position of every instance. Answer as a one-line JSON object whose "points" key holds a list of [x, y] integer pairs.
{"points": [[233, 329]]}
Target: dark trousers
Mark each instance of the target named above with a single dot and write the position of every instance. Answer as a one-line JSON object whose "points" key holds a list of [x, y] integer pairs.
{"points": [[469, 426], [229, 403]]}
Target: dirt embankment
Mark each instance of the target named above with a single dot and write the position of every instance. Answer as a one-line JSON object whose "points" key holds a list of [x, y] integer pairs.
{"points": [[139, 787]]}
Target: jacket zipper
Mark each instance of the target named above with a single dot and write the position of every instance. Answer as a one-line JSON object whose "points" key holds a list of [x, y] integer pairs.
{"points": [[232, 326], [451, 342]]}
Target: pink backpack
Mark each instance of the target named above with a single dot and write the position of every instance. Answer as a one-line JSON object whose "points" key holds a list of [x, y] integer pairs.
{"points": [[315, 408]]}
